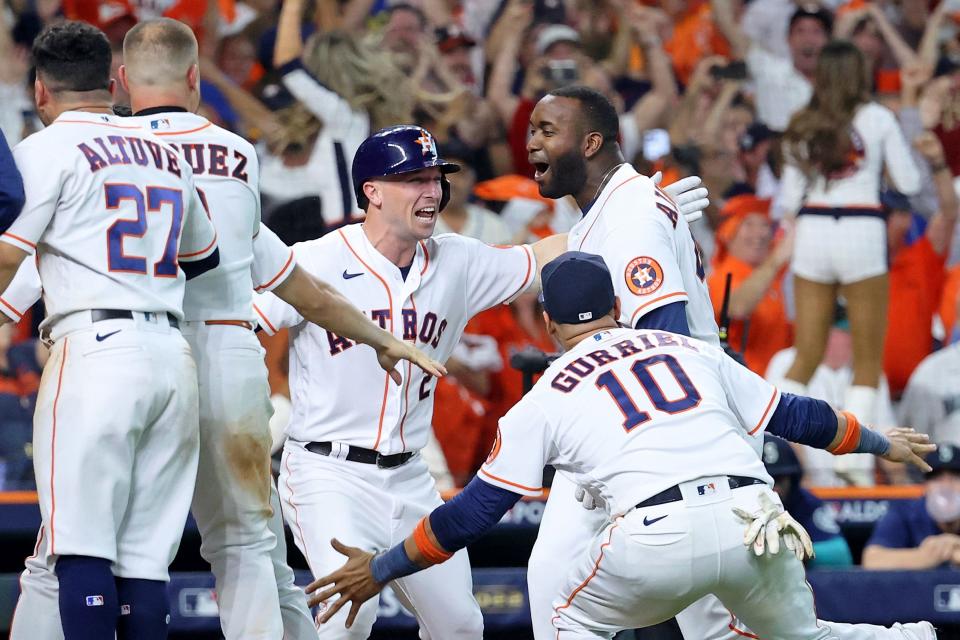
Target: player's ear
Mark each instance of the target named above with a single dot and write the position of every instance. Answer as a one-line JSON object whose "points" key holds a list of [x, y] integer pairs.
{"points": [[124, 81], [193, 76], [372, 191], [592, 144]]}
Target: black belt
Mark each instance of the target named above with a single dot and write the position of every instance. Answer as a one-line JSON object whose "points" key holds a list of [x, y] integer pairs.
{"points": [[673, 493], [843, 212], [366, 456], [97, 315]]}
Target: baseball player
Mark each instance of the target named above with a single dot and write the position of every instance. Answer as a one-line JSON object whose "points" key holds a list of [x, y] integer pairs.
{"points": [[653, 422], [11, 186], [350, 465], [232, 499], [115, 428], [659, 277]]}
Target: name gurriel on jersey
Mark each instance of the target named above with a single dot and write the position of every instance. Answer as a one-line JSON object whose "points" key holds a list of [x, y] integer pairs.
{"points": [[572, 374], [211, 159]]}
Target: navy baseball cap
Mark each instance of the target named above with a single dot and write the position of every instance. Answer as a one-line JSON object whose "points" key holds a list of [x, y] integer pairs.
{"points": [[577, 288]]}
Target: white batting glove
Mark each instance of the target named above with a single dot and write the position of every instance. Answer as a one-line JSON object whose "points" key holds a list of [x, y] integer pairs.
{"points": [[690, 197], [767, 526], [588, 500]]}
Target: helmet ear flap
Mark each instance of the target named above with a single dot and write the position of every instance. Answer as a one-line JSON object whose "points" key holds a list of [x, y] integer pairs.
{"points": [[444, 192]]}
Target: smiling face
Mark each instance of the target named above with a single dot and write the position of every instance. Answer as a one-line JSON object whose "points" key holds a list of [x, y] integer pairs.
{"points": [[555, 147], [806, 38], [751, 243], [408, 203]]}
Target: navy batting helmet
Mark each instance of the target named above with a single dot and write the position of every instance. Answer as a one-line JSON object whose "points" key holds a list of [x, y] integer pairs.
{"points": [[779, 458], [400, 149]]}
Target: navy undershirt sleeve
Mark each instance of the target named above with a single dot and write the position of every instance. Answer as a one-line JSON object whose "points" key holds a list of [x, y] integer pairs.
{"points": [[193, 269], [804, 420], [470, 514], [11, 187], [670, 317]]}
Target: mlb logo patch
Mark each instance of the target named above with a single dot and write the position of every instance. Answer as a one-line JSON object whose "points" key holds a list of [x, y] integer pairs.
{"points": [[94, 601], [124, 609], [162, 123], [707, 489]]}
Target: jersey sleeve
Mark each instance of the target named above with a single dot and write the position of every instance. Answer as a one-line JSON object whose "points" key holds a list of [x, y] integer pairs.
{"points": [[23, 291], [496, 274], [273, 261], [199, 238], [644, 265], [752, 399], [274, 314], [42, 183], [520, 451]]}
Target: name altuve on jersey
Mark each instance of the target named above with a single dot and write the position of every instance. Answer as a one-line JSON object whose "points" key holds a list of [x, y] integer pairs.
{"points": [[204, 159]]}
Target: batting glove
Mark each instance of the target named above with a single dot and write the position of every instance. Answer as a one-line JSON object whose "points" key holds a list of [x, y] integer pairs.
{"points": [[690, 197], [766, 527], [589, 500]]}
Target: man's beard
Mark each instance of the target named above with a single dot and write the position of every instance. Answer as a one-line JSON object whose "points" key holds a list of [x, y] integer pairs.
{"points": [[568, 174]]}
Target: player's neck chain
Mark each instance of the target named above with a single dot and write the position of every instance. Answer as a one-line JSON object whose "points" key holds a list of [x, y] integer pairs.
{"points": [[606, 179]]}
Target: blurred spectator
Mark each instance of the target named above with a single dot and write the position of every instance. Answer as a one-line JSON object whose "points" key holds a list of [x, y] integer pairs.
{"points": [[20, 367], [463, 217], [931, 402], [351, 88], [758, 326], [829, 546], [882, 46], [837, 149], [783, 85], [831, 383], [918, 251], [922, 533], [15, 101], [755, 145]]}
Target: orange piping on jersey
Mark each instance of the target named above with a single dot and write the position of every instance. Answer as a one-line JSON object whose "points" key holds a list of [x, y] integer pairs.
{"points": [[99, 124], [202, 251], [11, 307], [296, 512], [180, 133], [596, 568], [600, 210], [654, 301], [765, 412], [426, 258], [282, 271], [270, 326], [733, 627], [386, 382], [53, 446], [23, 240], [36, 552], [512, 484]]}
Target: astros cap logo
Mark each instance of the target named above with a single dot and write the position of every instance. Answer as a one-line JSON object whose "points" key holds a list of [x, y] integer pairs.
{"points": [[643, 275], [426, 143]]}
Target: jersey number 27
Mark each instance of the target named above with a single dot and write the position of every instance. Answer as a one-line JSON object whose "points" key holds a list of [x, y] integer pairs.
{"points": [[152, 200]]}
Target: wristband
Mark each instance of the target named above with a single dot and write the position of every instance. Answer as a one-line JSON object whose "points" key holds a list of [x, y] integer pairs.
{"points": [[433, 553], [851, 437], [392, 564], [872, 442]]}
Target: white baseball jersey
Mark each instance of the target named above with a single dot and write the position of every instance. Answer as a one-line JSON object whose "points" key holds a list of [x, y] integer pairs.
{"points": [[633, 412], [338, 391], [226, 173], [649, 250], [22, 292], [126, 213]]}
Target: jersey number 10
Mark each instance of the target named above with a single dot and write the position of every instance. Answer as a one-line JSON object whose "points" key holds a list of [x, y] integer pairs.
{"points": [[633, 417], [153, 200]]}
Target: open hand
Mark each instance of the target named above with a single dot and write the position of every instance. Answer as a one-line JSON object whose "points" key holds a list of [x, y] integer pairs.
{"points": [[909, 446], [397, 350], [353, 582]]}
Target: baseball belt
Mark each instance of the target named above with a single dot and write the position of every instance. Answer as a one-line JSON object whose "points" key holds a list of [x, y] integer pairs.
{"points": [[673, 493], [365, 456], [98, 315]]}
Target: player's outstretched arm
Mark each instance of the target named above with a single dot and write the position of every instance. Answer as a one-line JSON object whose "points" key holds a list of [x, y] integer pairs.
{"points": [[449, 528], [546, 250], [324, 306]]}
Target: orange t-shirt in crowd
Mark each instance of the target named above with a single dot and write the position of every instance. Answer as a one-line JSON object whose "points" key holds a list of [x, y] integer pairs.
{"points": [[460, 425], [917, 276], [695, 37], [769, 327], [948, 300]]}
